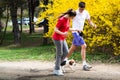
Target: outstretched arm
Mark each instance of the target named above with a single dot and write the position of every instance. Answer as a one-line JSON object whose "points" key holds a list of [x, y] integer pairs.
{"points": [[91, 23]]}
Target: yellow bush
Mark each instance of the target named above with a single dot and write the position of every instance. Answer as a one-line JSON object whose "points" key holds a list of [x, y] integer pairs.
{"points": [[105, 13]]}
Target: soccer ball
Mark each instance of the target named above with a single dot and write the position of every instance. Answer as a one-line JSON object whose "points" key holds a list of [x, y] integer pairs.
{"points": [[86, 68]]}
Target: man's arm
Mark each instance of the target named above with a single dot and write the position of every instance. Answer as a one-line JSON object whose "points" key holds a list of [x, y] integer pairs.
{"points": [[91, 23]]}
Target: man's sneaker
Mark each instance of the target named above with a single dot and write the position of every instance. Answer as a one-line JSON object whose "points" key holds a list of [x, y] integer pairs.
{"points": [[86, 67], [58, 72]]}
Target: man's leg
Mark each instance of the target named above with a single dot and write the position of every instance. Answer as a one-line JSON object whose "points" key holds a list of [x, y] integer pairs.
{"points": [[83, 55], [72, 48]]}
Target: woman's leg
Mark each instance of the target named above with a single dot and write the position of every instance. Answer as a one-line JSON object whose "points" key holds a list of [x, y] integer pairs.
{"points": [[65, 49], [59, 53]]}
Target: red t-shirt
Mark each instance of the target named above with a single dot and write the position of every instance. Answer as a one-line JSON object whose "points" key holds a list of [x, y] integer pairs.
{"points": [[63, 25]]}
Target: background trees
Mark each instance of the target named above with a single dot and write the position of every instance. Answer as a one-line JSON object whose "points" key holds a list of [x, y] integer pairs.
{"points": [[105, 13], [32, 5], [12, 6]]}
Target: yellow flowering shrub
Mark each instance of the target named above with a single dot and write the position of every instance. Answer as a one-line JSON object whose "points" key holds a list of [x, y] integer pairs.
{"points": [[104, 13]]}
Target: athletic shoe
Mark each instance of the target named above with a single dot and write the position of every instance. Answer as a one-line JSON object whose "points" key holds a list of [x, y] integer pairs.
{"points": [[86, 67], [58, 72]]}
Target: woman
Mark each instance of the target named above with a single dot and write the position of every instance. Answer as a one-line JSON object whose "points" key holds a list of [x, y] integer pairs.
{"points": [[59, 35]]}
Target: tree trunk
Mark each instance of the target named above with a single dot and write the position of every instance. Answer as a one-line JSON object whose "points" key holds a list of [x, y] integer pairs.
{"points": [[2, 38], [21, 18], [46, 28], [16, 32], [45, 23], [31, 15], [1, 26]]}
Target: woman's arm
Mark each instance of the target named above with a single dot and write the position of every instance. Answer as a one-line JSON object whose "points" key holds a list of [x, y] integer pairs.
{"points": [[71, 29], [59, 32]]}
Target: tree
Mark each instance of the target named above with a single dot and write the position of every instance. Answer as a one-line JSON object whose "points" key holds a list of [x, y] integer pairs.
{"points": [[13, 13], [32, 5], [45, 24], [1, 13], [2, 9], [7, 17], [13, 6], [45, 19]]}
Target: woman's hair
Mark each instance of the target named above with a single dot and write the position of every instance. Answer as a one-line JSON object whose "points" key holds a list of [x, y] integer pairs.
{"points": [[70, 12]]}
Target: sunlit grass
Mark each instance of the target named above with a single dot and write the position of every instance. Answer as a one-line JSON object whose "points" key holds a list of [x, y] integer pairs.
{"points": [[32, 48], [28, 53]]}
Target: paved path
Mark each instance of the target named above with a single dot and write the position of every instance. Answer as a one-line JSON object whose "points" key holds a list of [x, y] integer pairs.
{"points": [[38, 70]]}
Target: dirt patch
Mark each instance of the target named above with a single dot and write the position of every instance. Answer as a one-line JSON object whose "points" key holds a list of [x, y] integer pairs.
{"points": [[39, 70]]}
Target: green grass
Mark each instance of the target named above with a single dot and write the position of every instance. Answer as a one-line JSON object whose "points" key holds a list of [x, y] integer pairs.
{"points": [[47, 53], [28, 53], [9, 28], [31, 48]]}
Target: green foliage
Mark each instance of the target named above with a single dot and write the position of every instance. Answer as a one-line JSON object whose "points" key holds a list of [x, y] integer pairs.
{"points": [[106, 15]]}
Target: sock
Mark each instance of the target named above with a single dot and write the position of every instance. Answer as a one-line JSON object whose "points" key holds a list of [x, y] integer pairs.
{"points": [[84, 63], [66, 59]]}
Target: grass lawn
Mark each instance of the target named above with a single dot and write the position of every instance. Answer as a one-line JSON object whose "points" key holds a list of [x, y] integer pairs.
{"points": [[31, 48], [27, 53]]}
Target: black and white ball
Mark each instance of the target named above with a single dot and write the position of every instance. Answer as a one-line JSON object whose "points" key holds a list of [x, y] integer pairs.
{"points": [[86, 68]]}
